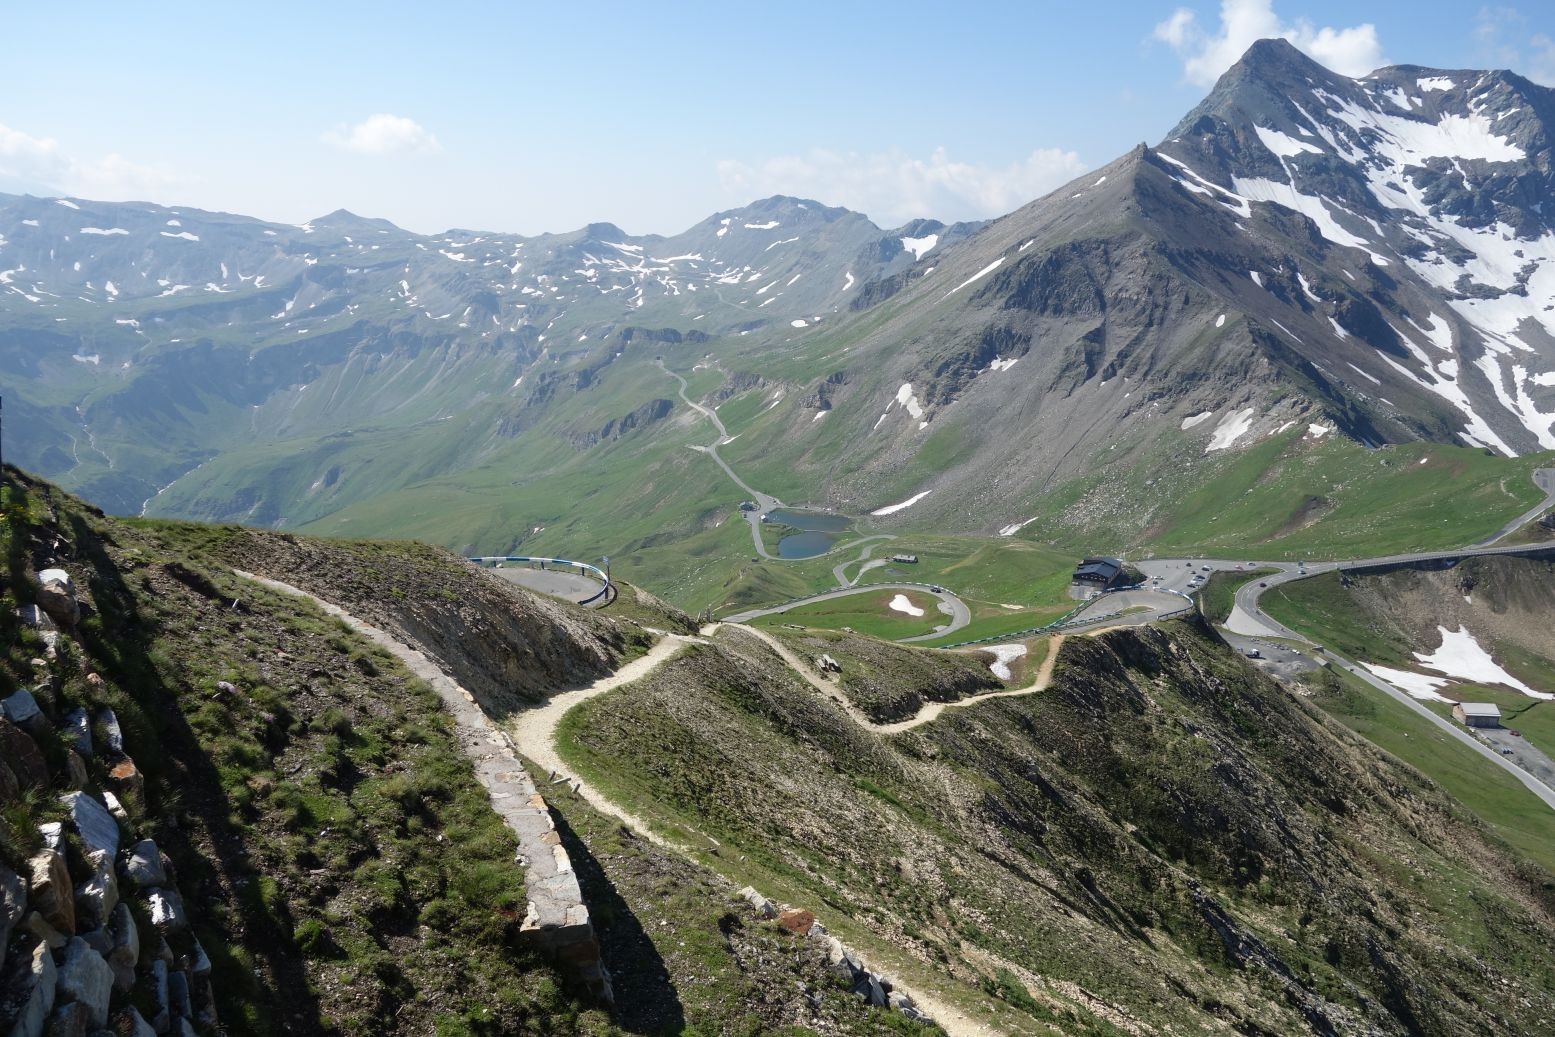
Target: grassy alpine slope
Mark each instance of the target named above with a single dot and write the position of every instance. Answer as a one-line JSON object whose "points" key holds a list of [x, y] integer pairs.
{"points": [[889, 681], [1163, 818], [350, 875], [1495, 797]]}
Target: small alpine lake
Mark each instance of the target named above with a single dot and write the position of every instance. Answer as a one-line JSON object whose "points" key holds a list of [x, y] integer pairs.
{"points": [[817, 532]]}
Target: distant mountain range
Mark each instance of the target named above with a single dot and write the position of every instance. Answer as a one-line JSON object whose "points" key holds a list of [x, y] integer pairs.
{"points": [[1305, 259], [142, 340]]}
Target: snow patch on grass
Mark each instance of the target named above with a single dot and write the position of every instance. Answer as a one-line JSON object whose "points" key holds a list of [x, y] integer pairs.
{"points": [[1415, 685], [1003, 655], [1464, 658]]}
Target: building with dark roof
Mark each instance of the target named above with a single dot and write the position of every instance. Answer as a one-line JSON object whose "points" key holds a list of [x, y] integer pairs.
{"points": [[1102, 573]]}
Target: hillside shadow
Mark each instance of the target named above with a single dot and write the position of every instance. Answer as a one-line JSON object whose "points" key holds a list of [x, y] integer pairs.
{"points": [[262, 987], [645, 998]]}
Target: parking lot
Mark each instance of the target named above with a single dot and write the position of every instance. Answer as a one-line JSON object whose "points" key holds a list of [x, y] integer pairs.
{"points": [[1526, 756], [1274, 658]]}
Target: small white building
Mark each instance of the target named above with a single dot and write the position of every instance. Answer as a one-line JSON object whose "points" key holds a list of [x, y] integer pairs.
{"points": [[1477, 714]]}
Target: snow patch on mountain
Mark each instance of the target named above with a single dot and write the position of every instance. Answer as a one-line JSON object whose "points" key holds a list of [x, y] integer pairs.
{"points": [[1231, 428], [984, 272], [1016, 527], [920, 246], [1283, 145], [892, 509], [1310, 206]]}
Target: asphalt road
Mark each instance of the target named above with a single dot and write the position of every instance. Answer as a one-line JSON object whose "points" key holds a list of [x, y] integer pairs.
{"points": [[951, 606], [1544, 479], [558, 583], [1248, 618], [765, 502]]}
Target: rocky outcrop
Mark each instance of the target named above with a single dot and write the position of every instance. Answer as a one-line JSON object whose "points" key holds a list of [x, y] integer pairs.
{"points": [[74, 957], [615, 428], [57, 597], [841, 960]]}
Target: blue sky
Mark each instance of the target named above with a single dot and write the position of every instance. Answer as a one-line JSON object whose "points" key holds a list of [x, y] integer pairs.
{"points": [[531, 117]]}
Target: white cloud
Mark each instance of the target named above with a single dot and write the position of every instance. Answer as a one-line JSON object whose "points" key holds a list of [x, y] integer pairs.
{"points": [[39, 165], [893, 188], [384, 134], [1351, 52], [1502, 40]]}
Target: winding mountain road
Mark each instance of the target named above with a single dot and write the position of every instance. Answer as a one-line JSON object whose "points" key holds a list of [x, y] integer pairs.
{"points": [[765, 502], [1159, 603]]}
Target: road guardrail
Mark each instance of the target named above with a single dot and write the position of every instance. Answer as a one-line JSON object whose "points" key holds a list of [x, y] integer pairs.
{"points": [[583, 567]]}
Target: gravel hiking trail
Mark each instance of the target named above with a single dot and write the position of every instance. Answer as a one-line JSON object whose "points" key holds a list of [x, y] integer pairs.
{"points": [[930, 710], [532, 733], [534, 730]]}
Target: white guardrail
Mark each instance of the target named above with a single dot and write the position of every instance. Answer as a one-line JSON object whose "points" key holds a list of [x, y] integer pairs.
{"points": [[584, 568]]}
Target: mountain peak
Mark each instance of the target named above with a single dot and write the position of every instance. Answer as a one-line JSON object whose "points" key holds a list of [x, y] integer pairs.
{"points": [[345, 218], [1275, 50]]}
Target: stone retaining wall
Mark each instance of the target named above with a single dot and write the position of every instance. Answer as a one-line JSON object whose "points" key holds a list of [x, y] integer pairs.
{"points": [[557, 920]]}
